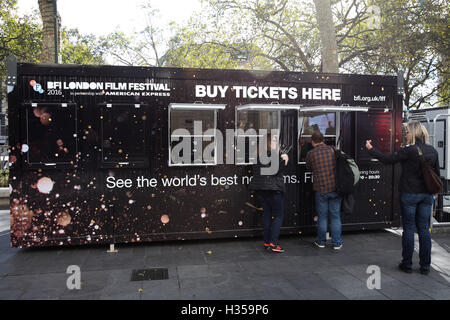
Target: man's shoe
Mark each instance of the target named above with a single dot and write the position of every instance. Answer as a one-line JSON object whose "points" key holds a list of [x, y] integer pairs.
{"points": [[276, 248], [424, 271], [319, 245], [267, 245], [337, 247], [404, 269]]}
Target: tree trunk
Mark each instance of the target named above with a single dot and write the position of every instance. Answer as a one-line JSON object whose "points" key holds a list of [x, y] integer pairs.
{"points": [[327, 36], [48, 23]]}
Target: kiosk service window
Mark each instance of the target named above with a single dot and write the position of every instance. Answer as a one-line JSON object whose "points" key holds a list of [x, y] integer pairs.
{"points": [[192, 134], [249, 124], [308, 123]]}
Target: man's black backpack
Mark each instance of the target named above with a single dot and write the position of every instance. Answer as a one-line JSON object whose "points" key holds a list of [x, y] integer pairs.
{"points": [[347, 173]]}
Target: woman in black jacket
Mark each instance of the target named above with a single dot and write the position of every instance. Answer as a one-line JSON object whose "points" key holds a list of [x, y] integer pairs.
{"points": [[269, 191], [415, 200]]}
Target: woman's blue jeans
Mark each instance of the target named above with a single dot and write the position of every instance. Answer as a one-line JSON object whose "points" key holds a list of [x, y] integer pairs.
{"points": [[328, 203], [416, 212], [273, 206]]}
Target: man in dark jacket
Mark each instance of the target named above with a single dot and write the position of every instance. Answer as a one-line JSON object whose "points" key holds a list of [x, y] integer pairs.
{"points": [[322, 162]]}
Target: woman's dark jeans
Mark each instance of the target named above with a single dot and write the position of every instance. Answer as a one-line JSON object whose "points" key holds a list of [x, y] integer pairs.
{"points": [[416, 212], [273, 206]]}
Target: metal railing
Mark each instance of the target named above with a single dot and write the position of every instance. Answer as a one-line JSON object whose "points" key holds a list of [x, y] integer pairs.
{"points": [[441, 212], [441, 208]]}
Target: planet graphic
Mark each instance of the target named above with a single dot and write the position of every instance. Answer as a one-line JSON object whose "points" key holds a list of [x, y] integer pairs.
{"points": [[45, 185], [165, 219]]}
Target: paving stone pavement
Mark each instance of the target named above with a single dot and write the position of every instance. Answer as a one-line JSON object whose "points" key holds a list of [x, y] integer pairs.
{"points": [[227, 269], [4, 220]]}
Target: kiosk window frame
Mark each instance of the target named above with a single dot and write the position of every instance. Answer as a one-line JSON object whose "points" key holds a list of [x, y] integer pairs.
{"points": [[61, 145], [194, 107], [303, 114], [337, 110], [135, 161], [258, 108]]}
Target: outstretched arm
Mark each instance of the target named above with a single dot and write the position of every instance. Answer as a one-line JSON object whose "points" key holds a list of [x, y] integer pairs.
{"points": [[386, 158]]}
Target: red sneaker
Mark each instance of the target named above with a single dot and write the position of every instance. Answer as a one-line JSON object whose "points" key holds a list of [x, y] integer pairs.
{"points": [[276, 248]]}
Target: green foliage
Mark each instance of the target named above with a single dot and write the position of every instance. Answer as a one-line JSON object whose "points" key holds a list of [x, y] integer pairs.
{"points": [[411, 37], [125, 49], [373, 37], [185, 51], [192, 55], [20, 36], [270, 35], [77, 48], [4, 178]]}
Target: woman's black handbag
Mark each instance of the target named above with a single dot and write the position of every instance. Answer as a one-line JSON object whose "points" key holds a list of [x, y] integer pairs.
{"points": [[432, 181]]}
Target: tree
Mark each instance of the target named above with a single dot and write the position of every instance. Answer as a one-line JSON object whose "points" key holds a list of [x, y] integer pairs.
{"points": [[77, 48], [370, 36], [20, 36], [288, 33], [142, 48], [411, 37], [277, 29], [327, 36], [188, 54], [47, 10], [185, 51]]}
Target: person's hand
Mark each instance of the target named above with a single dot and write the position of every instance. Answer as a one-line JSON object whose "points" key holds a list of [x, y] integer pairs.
{"points": [[285, 157], [369, 144]]}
